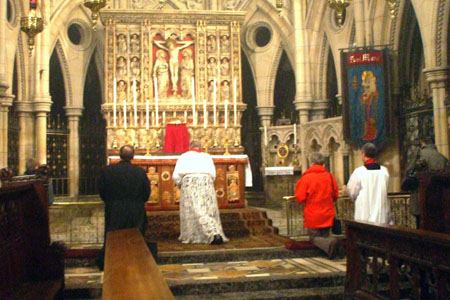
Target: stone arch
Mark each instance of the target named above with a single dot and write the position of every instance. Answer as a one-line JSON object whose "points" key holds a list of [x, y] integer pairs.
{"points": [[66, 73]]}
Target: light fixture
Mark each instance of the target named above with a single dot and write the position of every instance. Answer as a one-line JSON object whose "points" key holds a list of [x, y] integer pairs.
{"points": [[31, 25], [392, 6], [339, 6], [95, 6]]}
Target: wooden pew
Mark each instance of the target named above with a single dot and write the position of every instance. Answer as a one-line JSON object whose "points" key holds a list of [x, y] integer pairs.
{"points": [[30, 267], [130, 270]]}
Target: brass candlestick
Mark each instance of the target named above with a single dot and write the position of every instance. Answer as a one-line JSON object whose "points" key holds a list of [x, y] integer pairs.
{"points": [[95, 6], [226, 144]]}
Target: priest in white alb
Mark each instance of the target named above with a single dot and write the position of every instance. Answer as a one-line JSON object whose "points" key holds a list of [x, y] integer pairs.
{"points": [[368, 187], [199, 212]]}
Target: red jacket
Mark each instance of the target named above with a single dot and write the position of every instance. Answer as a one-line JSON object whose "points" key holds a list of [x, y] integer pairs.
{"points": [[317, 190]]}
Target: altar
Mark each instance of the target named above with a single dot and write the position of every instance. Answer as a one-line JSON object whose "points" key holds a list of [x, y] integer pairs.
{"points": [[233, 174]]}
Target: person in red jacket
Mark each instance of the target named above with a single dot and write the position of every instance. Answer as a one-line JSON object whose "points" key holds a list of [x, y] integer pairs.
{"points": [[317, 190]]}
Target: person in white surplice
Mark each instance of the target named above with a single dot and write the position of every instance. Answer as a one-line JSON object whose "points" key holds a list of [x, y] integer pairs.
{"points": [[368, 187], [199, 212]]}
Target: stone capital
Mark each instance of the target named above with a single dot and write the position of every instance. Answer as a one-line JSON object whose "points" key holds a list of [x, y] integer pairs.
{"points": [[24, 107], [302, 103], [6, 100], [265, 110], [437, 75], [42, 104], [320, 104], [72, 111]]}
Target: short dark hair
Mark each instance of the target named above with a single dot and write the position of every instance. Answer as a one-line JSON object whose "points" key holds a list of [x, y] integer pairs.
{"points": [[369, 150], [126, 152]]}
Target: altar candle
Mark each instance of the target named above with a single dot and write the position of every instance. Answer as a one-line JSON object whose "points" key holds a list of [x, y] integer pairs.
{"points": [[265, 135], [205, 114], [214, 103], [155, 86], [135, 102], [234, 104], [295, 133], [124, 114], [194, 121], [226, 114], [115, 102], [147, 108]]}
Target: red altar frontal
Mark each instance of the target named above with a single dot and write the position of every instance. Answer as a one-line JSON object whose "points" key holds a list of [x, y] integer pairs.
{"points": [[233, 174]]}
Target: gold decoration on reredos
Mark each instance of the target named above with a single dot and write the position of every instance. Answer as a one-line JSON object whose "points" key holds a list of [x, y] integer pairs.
{"points": [[153, 177], [282, 153], [232, 184], [165, 175]]}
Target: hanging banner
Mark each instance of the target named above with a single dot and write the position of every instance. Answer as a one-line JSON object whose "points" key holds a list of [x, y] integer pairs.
{"points": [[366, 98]]}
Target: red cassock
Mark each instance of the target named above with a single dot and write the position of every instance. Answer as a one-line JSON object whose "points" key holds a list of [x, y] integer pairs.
{"points": [[177, 138]]}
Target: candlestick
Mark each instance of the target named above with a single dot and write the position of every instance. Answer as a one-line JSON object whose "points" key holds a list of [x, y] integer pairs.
{"points": [[147, 105], [265, 135], [115, 103], [124, 114], [205, 114], [295, 133], [234, 104], [194, 121], [214, 103], [135, 102], [226, 114], [155, 87]]}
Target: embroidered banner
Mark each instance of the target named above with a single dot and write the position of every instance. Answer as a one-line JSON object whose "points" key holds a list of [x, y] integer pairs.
{"points": [[366, 98]]}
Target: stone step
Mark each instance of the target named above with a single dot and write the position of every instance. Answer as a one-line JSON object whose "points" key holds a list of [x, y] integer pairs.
{"points": [[260, 285], [327, 293]]}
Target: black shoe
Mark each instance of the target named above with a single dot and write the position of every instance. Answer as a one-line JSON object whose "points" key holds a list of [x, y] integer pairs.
{"points": [[217, 240]]}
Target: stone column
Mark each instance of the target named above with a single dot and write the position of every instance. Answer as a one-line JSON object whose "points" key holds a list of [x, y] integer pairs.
{"points": [[303, 98], [265, 113], [438, 78], [344, 173], [26, 136], [319, 111], [73, 116], [5, 103], [41, 108], [358, 8]]}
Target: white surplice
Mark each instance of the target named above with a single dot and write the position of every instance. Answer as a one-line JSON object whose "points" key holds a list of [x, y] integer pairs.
{"points": [[199, 212], [368, 188]]}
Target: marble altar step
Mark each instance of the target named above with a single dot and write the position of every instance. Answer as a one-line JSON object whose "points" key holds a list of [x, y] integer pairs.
{"points": [[235, 222]]}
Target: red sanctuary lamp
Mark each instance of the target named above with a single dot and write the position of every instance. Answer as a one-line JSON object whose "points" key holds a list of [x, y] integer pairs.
{"points": [[31, 25]]}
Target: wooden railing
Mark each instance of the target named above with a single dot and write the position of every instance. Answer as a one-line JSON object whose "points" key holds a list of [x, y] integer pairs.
{"points": [[30, 267], [393, 262], [130, 270], [399, 204]]}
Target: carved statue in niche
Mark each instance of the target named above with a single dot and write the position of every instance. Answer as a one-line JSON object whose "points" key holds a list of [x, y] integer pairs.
{"points": [[135, 44], [135, 66], [230, 4], [121, 67], [153, 177], [211, 43], [173, 46], [194, 4], [161, 73], [122, 43], [121, 90], [225, 43], [210, 90], [225, 90], [187, 72], [212, 67], [225, 66]]}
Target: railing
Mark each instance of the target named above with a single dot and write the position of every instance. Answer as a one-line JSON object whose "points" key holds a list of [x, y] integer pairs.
{"points": [[391, 262], [399, 204]]}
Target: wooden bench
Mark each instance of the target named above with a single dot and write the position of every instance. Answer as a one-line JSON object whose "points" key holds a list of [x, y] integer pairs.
{"points": [[130, 270], [30, 267]]}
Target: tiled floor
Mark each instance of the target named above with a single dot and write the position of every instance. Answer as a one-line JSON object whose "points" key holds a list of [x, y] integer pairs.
{"points": [[90, 276]]}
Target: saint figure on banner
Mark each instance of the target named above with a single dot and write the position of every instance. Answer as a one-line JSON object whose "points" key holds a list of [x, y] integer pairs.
{"points": [[369, 100]]}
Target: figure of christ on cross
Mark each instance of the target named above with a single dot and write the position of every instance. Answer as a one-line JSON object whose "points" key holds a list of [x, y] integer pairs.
{"points": [[173, 47]]}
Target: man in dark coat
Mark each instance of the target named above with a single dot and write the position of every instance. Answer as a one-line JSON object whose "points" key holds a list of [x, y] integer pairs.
{"points": [[124, 188], [434, 161]]}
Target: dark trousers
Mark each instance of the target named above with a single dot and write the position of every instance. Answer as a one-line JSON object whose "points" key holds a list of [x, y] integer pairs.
{"points": [[321, 238]]}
